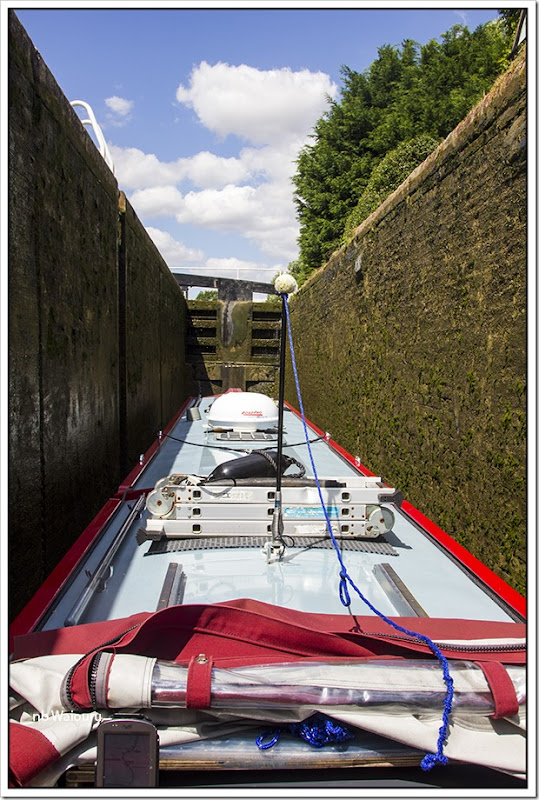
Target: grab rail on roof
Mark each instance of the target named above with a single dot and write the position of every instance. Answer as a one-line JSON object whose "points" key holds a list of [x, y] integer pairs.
{"points": [[94, 124]]}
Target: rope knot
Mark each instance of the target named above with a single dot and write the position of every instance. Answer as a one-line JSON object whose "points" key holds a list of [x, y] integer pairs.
{"points": [[344, 594], [431, 759]]}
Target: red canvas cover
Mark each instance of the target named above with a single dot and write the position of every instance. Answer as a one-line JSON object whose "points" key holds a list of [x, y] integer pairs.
{"points": [[29, 753], [246, 632]]}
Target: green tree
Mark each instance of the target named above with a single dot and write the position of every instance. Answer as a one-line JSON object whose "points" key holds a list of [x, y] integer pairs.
{"points": [[207, 294], [332, 172], [299, 270], [407, 91], [510, 18]]}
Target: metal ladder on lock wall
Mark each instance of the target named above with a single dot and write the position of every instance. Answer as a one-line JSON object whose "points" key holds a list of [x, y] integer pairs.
{"points": [[98, 133]]}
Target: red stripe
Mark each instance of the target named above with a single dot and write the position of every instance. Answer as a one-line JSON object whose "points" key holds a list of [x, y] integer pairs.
{"points": [[30, 752], [198, 690], [501, 686], [342, 452], [133, 494], [489, 578], [30, 615]]}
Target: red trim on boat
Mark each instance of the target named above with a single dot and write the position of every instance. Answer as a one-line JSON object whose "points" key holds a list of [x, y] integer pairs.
{"points": [[133, 494], [32, 612], [489, 578], [493, 581], [347, 457], [148, 455], [37, 606]]}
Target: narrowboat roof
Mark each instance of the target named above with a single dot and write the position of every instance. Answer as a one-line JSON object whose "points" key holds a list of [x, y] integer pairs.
{"points": [[405, 572], [188, 555]]}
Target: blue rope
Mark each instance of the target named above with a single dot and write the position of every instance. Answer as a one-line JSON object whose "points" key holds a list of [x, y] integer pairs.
{"points": [[318, 730], [265, 745], [430, 759]]}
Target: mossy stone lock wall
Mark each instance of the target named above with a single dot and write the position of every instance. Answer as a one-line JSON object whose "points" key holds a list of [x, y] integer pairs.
{"points": [[156, 378], [96, 327], [411, 341], [63, 371]]}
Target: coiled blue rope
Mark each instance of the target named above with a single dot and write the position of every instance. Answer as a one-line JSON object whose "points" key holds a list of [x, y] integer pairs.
{"points": [[318, 730], [430, 759]]}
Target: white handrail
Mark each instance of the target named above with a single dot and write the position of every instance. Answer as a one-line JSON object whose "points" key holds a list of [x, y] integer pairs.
{"points": [[92, 121]]}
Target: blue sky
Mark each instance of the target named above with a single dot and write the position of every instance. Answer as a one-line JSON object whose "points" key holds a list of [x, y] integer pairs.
{"points": [[205, 110]]}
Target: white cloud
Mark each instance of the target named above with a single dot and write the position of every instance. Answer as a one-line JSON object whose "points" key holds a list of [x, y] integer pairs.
{"points": [[119, 106], [136, 169], [157, 201], [263, 214], [181, 258], [262, 106], [249, 195], [175, 253], [207, 170], [272, 224], [275, 162], [219, 209]]}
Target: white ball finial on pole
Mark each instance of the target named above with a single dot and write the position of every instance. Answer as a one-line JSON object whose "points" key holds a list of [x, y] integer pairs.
{"points": [[285, 283]]}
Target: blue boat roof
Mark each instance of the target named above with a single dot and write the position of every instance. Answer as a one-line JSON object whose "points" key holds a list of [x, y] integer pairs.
{"points": [[402, 573]]}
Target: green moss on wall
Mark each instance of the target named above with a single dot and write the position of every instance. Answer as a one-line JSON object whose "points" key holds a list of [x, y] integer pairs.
{"points": [[411, 341]]}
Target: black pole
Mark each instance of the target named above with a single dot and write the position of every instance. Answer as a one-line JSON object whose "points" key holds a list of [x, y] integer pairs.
{"points": [[277, 521], [280, 421]]}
